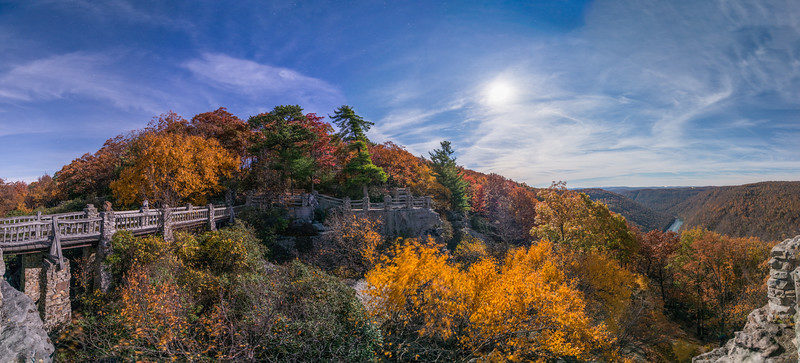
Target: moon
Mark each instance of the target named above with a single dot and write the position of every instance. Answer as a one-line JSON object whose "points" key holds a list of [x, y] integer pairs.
{"points": [[499, 92]]}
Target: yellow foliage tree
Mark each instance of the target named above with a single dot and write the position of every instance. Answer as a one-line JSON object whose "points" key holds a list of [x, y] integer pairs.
{"points": [[525, 308], [173, 168]]}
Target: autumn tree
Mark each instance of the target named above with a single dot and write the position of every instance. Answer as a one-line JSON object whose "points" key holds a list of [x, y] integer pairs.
{"points": [[351, 126], [42, 193], [573, 219], [718, 276], [448, 174], [523, 309], [656, 250], [403, 169], [12, 196], [173, 168], [92, 174], [231, 132]]}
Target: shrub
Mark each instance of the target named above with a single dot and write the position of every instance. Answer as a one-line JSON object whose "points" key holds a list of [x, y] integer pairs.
{"points": [[526, 308], [298, 313], [351, 246]]}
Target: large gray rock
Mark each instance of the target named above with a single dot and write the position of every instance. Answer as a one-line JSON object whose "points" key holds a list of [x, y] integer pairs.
{"points": [[23, 338], [763, 339]]}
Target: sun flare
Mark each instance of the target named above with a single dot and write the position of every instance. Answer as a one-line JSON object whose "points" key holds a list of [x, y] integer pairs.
{"points": [[499, 92]]}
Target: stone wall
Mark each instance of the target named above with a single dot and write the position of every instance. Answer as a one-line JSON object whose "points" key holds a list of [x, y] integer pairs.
{"points": [[408, 222]]}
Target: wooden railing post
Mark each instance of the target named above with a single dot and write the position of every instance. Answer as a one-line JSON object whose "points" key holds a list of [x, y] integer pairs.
{"points": [[212, 224], [166, 223], [102, 277]]}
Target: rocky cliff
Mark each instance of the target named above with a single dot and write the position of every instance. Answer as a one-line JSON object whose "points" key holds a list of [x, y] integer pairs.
{"points": [[22, 334]]}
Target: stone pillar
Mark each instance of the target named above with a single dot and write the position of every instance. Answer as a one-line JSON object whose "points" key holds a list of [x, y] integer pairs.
{"points": [[409, 202], [229, 201], [387, 202], [91, 212], [428, 203], [31, 275], [55, 306], [166, 223], [212, 224], [366, 199], [346, 204], [102, 276], [781, 291], [396, 194]]}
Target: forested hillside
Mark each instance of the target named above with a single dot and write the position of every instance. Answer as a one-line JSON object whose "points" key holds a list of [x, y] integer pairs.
{"points": [[646, 218], [666, 200], [768, 210]]}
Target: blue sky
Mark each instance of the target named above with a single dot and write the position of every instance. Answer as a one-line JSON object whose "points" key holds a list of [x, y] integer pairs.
{"points": [[601, 93]]}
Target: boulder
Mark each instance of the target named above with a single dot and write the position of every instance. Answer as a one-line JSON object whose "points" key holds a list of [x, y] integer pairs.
{"points": [[23, 338]]}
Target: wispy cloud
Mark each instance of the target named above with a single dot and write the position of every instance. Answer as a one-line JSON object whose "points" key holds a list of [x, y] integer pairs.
{"points": [[257, 80], [91, 75], [646, 93]]}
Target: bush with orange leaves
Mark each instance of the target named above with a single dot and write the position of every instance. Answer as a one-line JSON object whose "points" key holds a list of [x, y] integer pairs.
{"points": [[351, 246], [524, 308]]}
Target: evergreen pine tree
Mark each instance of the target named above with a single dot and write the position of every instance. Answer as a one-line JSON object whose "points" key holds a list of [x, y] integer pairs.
{"points": [[448, 175]]}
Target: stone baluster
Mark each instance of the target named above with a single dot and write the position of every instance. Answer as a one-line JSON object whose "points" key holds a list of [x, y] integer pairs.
{"points": [[365, 200], [212, 224], [145, 211]]}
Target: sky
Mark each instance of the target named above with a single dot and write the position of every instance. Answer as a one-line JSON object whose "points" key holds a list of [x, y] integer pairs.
{"points": [[594, 93]]}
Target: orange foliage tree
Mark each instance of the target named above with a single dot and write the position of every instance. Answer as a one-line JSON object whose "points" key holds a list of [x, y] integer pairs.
{"points": [[403, 168], [721, 278], [525, 308], [12, 196], [91, 174], [571, 218], [172, 168]]}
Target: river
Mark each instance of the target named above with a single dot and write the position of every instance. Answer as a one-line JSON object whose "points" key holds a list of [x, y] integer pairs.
{"points": [[676, 225]]}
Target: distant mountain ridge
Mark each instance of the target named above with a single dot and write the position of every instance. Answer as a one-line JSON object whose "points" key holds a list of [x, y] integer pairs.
{"points": [[768, 210], [643, 216]]}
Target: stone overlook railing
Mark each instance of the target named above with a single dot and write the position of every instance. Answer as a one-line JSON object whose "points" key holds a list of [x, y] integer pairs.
{"points": [[38, 232], [399, 199]]}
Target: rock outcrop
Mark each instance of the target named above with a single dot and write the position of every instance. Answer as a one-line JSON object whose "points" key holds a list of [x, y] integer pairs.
{"points": [[769, 335], [23, 338]]}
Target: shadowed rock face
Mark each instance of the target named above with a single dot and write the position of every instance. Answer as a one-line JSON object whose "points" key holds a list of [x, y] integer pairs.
{"points": [[23, 337], [769, 335]]}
